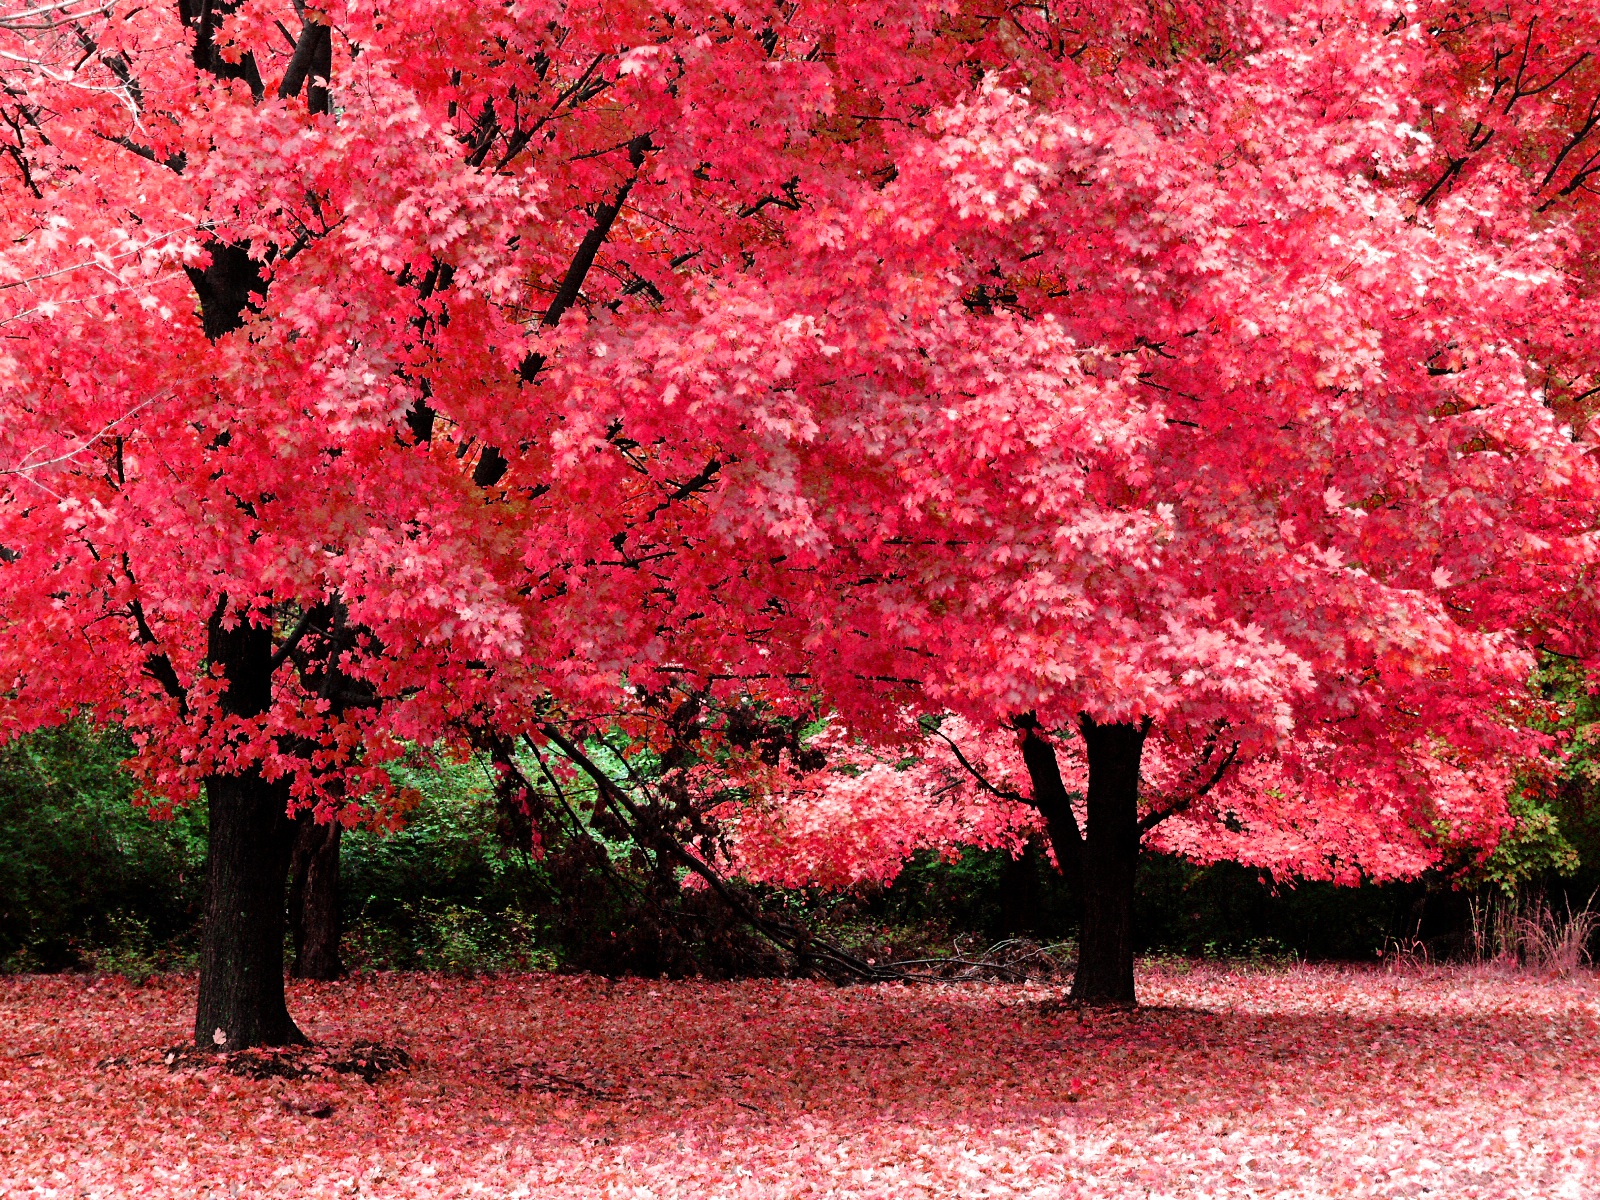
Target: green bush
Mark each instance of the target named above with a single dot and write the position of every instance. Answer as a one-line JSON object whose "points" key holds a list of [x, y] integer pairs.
{"points": [[86, 877], [443, 893], [453, 939]]}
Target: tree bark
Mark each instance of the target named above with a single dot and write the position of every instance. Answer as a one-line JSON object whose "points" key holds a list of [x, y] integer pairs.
{"points": [[314, 900], [1051, 798], [1110, 855], [1019, 893], [225, 286], [241, 1000], [204, 17]]}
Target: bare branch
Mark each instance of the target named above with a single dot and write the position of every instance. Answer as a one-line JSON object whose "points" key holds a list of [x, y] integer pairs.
{"points": [[24, 467], [42, 18], [982, 780], [796, 940], [302, 627], [156, 664]]}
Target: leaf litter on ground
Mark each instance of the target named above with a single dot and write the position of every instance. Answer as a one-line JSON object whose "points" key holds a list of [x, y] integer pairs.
{"points": [[1296, 1082]]}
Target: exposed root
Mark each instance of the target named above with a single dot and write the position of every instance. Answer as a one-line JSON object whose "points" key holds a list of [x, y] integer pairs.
{"points": [[370, 1060]]}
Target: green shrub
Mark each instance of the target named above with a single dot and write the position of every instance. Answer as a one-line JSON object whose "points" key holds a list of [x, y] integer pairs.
{"points": [[443, 893], [84, 873], [449, 938]]}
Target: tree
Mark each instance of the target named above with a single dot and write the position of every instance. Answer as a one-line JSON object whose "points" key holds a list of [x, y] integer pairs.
{"points": [[509, 369], [860, 818], [1184, 391], [289, 476]]}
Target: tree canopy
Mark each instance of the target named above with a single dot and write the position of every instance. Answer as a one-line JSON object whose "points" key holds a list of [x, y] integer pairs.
{"points": [[1212, 376]]}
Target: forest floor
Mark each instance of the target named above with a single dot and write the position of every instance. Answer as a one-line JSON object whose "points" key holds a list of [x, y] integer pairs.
{"points": [[1306, 1081]]}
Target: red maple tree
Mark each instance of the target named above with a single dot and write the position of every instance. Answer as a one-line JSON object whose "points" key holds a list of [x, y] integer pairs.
{"points": [[1222, 385], [287, 481], [1215, 377]]}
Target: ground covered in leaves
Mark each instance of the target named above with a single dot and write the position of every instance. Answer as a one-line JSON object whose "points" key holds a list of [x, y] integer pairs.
{"points": [[1305, 1082]]}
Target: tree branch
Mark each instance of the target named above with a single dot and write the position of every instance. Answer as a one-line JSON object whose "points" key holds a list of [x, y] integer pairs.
{"points": [[699, 482], [313, 52], [1153, 818], [302, 627], [492, 465], [797, 941], [1050, 795], [983, 782], [578, 269], [156, 664]]}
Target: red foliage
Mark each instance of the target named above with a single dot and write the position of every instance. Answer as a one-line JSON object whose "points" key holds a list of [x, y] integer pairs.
{"points": [[864, 814], [1309, 1082], [1221, 365]]}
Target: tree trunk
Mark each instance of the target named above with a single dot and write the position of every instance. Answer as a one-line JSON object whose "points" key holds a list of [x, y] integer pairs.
{"points": [[1019, 893], [1051, 798], [241, 999], [1110, 854], [314, 900], [241, 952]]}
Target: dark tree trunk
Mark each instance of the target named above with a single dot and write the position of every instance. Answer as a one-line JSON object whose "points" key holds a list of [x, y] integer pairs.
{"points": [[251, 838], [225, 286], [1019, 893], [241, 951], [1110, 854], [1051, 798], [204, 17], [314, 899]]}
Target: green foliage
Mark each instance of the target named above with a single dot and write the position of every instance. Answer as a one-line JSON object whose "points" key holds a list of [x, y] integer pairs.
{"points": [[89, 880], [86, 877], [1572, 796], [452, 939], [443, 893], [1552, 857], [1536, 847], [130, 951]]}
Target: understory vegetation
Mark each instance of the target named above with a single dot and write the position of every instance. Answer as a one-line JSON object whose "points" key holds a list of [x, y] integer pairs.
{"points": [[90, 880]]}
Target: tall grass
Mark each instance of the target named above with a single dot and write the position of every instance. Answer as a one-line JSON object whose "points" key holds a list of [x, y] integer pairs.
{"points": [[1532, 935]]}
